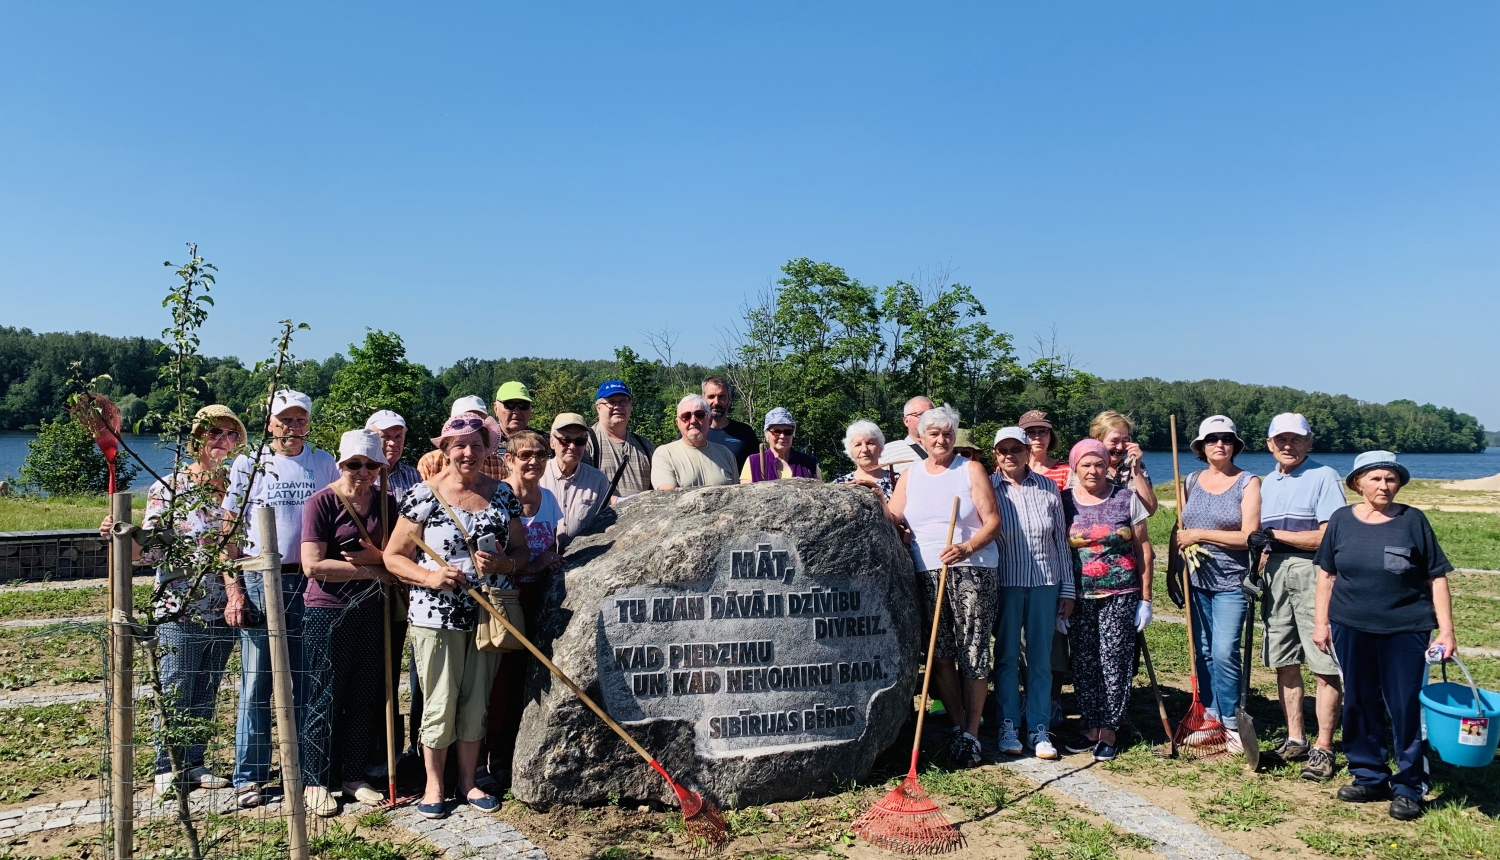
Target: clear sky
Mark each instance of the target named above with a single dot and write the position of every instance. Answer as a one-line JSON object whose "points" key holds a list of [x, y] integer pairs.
{"points": [[1304, 194]]}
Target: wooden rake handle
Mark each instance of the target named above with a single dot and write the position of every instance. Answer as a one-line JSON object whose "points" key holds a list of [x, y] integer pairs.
{"points": [[937, 616], [551, 667]]}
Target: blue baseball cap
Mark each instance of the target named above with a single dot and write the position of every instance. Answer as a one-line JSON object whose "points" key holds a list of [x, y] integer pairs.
{"points": [[613, 386]]}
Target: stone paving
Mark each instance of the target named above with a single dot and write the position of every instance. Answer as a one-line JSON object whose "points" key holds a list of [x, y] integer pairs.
{"points": [[1173, 837], [465, 833]]}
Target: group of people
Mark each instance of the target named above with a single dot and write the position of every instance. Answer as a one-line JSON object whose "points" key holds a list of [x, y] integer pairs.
{"points": [[1049, 577]]}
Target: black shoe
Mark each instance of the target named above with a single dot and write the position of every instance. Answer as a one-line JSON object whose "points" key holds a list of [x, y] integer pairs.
{"points": [[1404, 808], [1105, 752], [1356, 793], [1080, 744]]}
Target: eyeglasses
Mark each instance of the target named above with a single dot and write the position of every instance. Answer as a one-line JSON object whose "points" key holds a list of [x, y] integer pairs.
{"points": [[1037, 432], [517, 405], [696, 413], [361, 465], [219, 432], [1218, 439], [529, 456], [916, 414], [778, 431], [572, 441], [462, 423]]}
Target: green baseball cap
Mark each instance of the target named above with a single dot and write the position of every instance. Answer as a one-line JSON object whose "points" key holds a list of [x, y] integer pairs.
{"points": [[513, 391]]}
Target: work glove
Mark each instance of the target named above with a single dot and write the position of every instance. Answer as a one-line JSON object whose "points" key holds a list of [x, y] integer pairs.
{"points": [[1257, 541], [1062, 625], [1142, 615]]}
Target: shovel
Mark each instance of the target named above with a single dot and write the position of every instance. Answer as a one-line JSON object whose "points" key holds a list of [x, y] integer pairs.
{"points": [[1252, 587]]}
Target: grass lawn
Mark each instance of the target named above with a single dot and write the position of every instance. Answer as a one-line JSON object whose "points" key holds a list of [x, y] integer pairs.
{"points": [[26, 513]]}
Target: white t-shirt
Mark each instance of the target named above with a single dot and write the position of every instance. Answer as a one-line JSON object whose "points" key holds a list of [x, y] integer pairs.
{"points": [[285, 486], [681, 465]]}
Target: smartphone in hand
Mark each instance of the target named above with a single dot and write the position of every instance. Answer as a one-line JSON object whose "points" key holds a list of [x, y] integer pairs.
{"points": [[487, 544]]}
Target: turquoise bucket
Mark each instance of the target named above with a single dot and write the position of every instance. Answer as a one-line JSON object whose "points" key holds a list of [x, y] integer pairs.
{"points": [[1461, 720]]}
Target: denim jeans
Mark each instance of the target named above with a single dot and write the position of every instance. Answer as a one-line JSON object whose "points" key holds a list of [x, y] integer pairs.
{"points": [[1218, 628], [1034, 611], [252, 729], [192, 664]]}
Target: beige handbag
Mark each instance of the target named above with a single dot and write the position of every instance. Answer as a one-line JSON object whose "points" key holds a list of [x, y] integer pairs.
{"points": [[489, 634]]}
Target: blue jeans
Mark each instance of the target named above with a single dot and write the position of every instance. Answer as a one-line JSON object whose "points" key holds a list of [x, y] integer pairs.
{"points": [[192, 665], [1383, 674], [1218, 628], [252, 728], [1033, 610]]}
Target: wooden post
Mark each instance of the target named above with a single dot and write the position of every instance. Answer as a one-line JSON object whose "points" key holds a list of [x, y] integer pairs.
{"points": [[122, 680], [269, 563]]}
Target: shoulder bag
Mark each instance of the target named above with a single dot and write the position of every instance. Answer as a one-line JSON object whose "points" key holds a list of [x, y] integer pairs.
{"points": [[489, 635]]}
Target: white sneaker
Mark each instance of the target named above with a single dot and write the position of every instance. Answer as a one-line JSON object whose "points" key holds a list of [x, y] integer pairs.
{"points": [[1041, 743], [320, 802], [205, 778], [1232, 737], [362, 792], [1010, 742]]}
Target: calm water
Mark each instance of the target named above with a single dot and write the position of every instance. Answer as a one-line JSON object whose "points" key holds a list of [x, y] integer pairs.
{"points": [[13, 452], [1448, 466], [1451, 467]]}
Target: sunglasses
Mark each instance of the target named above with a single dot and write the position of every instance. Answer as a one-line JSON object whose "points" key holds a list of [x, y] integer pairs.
{"points": [[776, 432], [517, 405], [1011, 452], [1038, 432], [220, 432], [464, 424], [697, 413], [361, 465], [529, 456], [1218, 439], [573, 441]]}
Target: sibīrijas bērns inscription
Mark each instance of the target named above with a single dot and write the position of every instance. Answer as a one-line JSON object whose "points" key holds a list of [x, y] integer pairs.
{"points": [[759, 640]]}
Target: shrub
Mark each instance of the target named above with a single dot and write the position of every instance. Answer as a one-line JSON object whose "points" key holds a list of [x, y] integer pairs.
{"points": [[64, 462]]}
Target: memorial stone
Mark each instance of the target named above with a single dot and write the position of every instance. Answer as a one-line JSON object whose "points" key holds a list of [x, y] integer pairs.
{"points": [[760, 640]]}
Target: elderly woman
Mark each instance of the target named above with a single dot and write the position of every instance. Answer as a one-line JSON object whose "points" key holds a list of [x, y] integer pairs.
{"points": [[779, 460], [342, 526], [1127, 462], [1382, 588], [924, 498], [196, 642], [474, 521], [1222, 510], [1036, 588], [525, 461], [1112, 563], [864, 443], [1041, 439]]}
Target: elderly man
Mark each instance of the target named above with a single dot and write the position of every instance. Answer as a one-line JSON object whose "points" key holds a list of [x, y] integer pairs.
{"points": [[615, 449], [1296, 501], [901, 454], [434, 461], [692, 461], [294, 471], [512, 409], [737, 436], [401, 477], [579, 488]]}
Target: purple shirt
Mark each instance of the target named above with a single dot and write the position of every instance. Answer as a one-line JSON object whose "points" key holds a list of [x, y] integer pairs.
{"points": [[325, 521]]}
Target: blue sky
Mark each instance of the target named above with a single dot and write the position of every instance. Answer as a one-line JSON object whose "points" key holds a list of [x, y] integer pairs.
{"points": [[1282, 193]]}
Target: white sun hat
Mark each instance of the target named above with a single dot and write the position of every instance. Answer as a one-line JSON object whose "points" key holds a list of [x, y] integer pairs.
{"points": [[361, 443]]}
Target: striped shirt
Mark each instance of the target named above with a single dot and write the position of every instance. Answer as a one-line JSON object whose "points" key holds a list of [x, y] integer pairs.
{"points": [[401, 479], [1033, 534]]}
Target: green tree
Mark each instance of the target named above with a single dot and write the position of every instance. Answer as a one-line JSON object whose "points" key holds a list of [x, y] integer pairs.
{"points": [[63, 461], [377, 375]]}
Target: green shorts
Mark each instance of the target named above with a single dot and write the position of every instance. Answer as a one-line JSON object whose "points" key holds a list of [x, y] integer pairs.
{"points": [[455, 678], [1288, 615]]}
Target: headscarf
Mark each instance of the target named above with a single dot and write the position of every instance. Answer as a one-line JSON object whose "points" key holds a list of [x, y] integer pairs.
{"points": [[1083, 448]]}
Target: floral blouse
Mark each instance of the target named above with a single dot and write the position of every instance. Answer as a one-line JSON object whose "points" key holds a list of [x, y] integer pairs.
{"points": [[887, 484], [1100, 536], [450, 610], [201, 526]]}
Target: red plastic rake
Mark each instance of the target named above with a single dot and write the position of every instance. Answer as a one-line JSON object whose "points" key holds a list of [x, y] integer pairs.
{"points": [[906, 820], [102, 418]]}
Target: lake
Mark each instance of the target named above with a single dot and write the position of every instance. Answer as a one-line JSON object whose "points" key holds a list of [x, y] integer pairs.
{"points": [[1450, 467]]}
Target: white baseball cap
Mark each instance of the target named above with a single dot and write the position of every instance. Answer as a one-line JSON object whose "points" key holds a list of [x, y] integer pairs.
{"points": [[385, 419], [1289, 422], [361, 443], [286, 399], [471, 403], [1015, 434]]}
